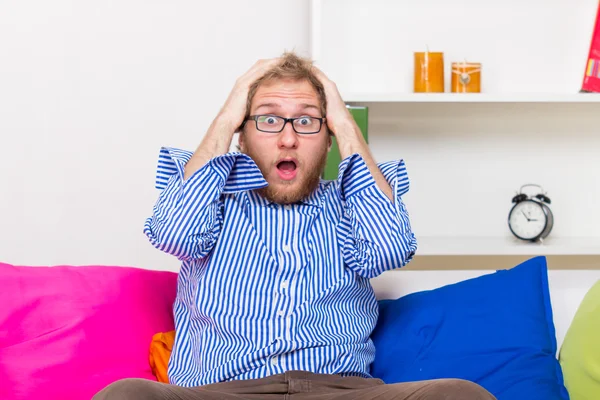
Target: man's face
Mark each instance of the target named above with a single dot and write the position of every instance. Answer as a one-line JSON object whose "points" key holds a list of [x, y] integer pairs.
{"points": [[292, 163]]}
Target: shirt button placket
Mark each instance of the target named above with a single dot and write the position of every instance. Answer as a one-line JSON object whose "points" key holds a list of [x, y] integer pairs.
{"points": [[281, 323]]}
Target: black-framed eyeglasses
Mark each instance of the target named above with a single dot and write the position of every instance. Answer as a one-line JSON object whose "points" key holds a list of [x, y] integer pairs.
{"points": [[274, 124]]}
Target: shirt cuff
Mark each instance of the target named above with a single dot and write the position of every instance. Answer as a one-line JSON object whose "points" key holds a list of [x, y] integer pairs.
{"points": [[395, 174], [354, 176], [238, 171]]}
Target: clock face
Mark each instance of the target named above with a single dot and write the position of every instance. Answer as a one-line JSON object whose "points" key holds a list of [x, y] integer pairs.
{"points": [[527, 220]]}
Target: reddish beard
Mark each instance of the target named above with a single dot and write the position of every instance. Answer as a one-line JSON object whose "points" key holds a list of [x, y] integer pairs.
{"points": [[288, 192]]}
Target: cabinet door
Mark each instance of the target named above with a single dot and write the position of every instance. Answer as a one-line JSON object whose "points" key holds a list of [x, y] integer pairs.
{"points": [[361, 116]]}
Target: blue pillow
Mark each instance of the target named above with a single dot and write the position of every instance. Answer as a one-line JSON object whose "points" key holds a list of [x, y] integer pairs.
{"points": [[496, 330]]}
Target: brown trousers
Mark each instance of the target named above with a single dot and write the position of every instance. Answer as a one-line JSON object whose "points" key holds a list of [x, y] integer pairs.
{"points": [[299, 385]]}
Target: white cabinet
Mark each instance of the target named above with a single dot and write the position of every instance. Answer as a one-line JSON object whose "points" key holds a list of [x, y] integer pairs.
{"points": [[468, 154]]}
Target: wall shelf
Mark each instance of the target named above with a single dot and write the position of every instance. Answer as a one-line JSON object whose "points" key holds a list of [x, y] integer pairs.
{"points": [[484, 246], [466, 153], [471, 97]]}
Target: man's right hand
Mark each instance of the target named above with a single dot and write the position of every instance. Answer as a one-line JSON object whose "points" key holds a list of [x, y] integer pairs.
{"points": [[234, 109], [217, 140]]}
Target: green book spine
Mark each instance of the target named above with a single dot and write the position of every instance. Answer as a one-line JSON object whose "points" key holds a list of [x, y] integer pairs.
{"points": [[361, 116]]}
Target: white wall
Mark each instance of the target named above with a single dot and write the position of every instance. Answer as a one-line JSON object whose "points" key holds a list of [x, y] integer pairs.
{"points": [[90, 90]]}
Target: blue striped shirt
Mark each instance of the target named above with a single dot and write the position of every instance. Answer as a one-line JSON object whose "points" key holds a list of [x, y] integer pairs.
{"points": [[264, 287]]}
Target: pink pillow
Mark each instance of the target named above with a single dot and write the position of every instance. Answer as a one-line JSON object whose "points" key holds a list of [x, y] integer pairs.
{"points": [[66, 332]]}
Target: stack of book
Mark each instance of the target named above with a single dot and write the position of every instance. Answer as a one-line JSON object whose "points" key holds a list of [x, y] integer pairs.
{"points": [[361, 116]]}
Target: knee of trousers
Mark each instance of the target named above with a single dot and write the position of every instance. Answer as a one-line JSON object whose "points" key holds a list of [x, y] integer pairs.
{"points": [[460, 389], [130, 389]]}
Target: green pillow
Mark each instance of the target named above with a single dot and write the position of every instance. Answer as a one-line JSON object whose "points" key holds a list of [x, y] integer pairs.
{"points": [[580, 353]]}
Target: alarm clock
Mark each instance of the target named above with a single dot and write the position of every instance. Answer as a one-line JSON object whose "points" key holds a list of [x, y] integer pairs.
{"points": [[530, 218]]}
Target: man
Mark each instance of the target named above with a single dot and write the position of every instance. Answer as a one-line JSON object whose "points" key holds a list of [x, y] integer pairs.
{"points": [[274, 299]]}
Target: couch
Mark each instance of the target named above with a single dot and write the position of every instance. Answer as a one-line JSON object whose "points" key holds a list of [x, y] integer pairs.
{"points": [[67, 331]]}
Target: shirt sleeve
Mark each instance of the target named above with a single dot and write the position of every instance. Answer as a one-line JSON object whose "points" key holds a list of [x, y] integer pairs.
{"points": [[375, 233], [187, 217]]}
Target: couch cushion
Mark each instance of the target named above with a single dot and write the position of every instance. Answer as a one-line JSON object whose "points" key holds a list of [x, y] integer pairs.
{"points": [[66, 332], [580, 352], [495, 330]]}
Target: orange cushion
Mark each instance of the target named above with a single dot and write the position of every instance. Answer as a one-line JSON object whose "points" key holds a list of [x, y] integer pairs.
{"points": [[160, 352]]}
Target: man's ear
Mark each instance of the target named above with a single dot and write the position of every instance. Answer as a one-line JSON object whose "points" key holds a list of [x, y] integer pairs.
{"points": [[330, 142], [241, 141]]}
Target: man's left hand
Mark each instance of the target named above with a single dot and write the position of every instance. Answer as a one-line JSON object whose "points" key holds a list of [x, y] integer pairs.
{"points": [[339, 119], [348, 134]]}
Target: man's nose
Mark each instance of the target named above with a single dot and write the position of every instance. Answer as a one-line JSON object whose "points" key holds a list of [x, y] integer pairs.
{"points": [[288, 139]]}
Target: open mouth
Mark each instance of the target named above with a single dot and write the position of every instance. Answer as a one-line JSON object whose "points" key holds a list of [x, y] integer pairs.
{"points": [[286, 165], [287, 168]]}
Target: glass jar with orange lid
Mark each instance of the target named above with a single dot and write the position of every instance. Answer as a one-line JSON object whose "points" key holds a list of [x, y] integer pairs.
{"points": [[466, 77]]}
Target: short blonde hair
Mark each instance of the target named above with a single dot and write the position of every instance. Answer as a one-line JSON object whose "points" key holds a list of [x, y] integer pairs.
{"points": [[291, 67]]}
